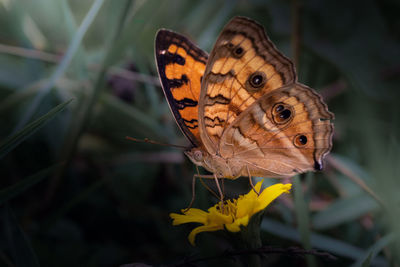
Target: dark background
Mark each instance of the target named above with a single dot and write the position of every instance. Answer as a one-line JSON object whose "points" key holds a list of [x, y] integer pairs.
{"points": [[108, 202]]}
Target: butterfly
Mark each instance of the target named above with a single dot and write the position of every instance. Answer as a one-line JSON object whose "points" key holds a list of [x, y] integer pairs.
{"points": [[241, 107]]}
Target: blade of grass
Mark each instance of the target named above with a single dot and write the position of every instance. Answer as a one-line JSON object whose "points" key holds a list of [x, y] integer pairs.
{"points": [[78, 65], [18, 243], [12, 141], [13, 191], [62, 67], [151, 94], [29, 53], [371, 253], [303, 218], [10, 102], [344, 210], [340, 166]]}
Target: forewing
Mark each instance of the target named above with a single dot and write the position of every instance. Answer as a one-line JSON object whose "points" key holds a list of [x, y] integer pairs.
{"points": [[181, 66], [243, 66]]}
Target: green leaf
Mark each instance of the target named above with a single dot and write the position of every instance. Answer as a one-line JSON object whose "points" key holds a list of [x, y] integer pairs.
{"points": [[318, 241], [344, 210], [371, 253], [17, 242], [367, 261], [16, 189], [12, 141]]}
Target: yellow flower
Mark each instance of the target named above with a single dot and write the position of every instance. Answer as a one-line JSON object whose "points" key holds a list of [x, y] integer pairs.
{"points": [[235, 213]]}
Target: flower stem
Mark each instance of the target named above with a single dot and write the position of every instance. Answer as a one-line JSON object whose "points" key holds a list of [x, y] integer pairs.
{"points": [[250, 239]]}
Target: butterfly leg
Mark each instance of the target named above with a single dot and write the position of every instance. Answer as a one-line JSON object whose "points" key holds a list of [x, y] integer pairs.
{"points": [[201, 176], [223, 186], [251, 181], [193, 192], [221, 195], [198, 175], [214, 176]]}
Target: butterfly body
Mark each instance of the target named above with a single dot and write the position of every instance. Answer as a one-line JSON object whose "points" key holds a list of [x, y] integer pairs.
{"points": [[242, 107], [222, 167]]}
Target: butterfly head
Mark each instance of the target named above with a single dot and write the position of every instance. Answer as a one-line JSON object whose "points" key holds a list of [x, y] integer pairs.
{"points": [[210, 163], [197, 156]]}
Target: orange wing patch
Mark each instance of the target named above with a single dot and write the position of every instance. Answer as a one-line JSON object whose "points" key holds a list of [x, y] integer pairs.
{"points": [[181, 66]]}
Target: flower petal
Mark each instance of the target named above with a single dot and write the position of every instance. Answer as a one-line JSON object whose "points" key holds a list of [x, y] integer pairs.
{"points": [[257, 188], [271, 193], [246, 206], [203, 228], [216, 217], [192, 215], [235, 226]]}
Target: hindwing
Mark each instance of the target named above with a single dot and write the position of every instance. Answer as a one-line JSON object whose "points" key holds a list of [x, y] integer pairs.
{"points": [[285, 132]]}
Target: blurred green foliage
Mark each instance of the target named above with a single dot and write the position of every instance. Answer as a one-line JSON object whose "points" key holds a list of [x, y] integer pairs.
{"points": [[107, 204]]}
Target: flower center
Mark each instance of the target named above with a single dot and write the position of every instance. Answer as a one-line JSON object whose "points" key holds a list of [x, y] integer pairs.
{"points": [[228, 207]]}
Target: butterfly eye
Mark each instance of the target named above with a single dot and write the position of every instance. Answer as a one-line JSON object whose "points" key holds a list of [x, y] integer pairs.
{"points": [[300, 140], [256, 81], [282, 113], [198, 156]]}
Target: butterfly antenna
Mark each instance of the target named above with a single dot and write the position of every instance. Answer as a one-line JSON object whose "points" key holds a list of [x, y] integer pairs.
{"points": [[146, 140]]}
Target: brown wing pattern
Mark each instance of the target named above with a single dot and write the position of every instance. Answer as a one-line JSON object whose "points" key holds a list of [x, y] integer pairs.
{"points": [[243, 66], [283, 133], [181, 66]]}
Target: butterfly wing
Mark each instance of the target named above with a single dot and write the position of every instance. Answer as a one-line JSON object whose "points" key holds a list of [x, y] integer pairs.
{"points": [[181, 66], [285, 132], [243, 66]]}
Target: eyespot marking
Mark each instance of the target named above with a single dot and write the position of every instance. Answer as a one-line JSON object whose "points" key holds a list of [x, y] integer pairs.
{"points": [[282, 113], [256, 81]]}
